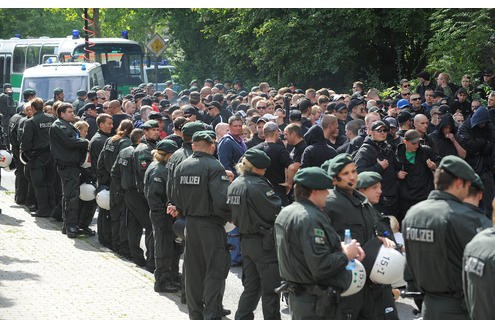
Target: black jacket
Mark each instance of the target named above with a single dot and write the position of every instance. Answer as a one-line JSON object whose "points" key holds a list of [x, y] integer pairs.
{"points": [[443, 145], [318, 150], [65, 144]]}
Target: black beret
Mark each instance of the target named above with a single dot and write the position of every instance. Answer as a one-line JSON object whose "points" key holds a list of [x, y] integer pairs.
{"points": [[258, 158], [167, 145], [367, 179], [139, 95], [88, 106], [337, 163], [313, 178], [155, 116], [458, 167], [81, 93], [189, 109], [150, 124]]}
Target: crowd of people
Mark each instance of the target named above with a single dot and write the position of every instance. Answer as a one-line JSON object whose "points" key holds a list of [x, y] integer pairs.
{"points": [[293, 170]]}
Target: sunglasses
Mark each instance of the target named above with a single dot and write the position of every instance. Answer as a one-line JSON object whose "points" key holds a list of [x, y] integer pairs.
{"points": [[406, 86], [405, 94], [415, 99], [381, 130], [187, 115], [102, 98]]}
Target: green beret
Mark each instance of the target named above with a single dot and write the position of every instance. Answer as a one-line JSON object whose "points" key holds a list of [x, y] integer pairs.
{"points": [[81, 93], [167, 145], [57, 91], [150, 124], [191, 127], [458, 167], [29, 92], [258, 158], [208, 136], [367, 179], [337, 163], [313, 178], [477, 183], [325, 165]]}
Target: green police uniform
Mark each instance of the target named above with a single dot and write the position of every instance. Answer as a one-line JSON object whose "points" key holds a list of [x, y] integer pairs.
{"points": [[35, 144], [478, 275], [66, 148], [166, 250], [435, 232], [201, 189], [254, 207], [310, 254]]}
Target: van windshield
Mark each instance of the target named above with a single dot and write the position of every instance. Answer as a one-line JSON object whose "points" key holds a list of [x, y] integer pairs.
{"points": [[163, 74], [44, 86]]}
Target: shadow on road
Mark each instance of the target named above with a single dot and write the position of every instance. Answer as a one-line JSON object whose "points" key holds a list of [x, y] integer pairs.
{"points": [[9, 220]]}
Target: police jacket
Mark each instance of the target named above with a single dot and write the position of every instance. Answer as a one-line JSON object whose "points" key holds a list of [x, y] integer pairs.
{"points": [[308, 248], [141, 159], [366, 160], [478, 141], [201, 187], [35, 140], [318, 150], [253, 203], [349, 212], [122, 172], [65, 144], [109, 154], [435, 233], [478, 275], [14, 141], [155, 180], [230, 152], [177, 157], [419, 179], [95, 147]]}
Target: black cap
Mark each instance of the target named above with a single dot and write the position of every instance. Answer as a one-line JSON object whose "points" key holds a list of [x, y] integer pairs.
{"points": [[155, 116], [88, 106], [189, 109], [378, 125], [404, 116], [354, 102], [164, 103], [214, 104], [81, 93]]}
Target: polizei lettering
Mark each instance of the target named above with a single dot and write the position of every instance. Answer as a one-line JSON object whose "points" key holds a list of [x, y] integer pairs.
{"points": [[189, 180], [234, 200], [419, 234], [45, 125]]}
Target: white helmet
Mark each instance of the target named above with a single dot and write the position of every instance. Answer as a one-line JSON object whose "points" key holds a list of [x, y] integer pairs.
{"points": [[358, 280], [86, 192], [388, 267], [229, 226], [87, 161], [103, 199], [5, 158]]}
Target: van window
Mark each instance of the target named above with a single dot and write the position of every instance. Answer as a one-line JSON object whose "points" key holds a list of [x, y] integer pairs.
{"points": [[2, 70], [44, 86], [8, 61], [47, 50], [33, 56], [19, 58]]}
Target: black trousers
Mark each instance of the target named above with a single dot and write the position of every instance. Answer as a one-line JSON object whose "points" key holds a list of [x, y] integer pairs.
{"points": [[21, 183], [120, 240], [138, 206], [86, 213], [207, 263], [69, 177], [444, 308], [43, 177], [167, 251], [260, 277]]}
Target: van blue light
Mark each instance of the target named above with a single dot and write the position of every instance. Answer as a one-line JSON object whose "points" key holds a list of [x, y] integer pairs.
{"points": [[75, 34]]}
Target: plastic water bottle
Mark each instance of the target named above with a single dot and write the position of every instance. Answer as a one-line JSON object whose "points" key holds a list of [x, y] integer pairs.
{"points": [[347, 240]]}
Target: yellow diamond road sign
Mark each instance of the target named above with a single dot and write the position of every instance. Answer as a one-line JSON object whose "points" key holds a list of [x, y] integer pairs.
{"points": [[157, 45]]}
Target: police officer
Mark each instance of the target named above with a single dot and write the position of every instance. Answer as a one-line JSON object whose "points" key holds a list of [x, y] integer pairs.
{"points": [[35, 145], [202, 198], [478, 279], [254, 208], [142, 158], [349, 209], [58, 95], [21, 183], [66, 147], [82, 96], [435, 232], [124, 181], [7, 107], [166, 250], [103, 222], [311, 257]]}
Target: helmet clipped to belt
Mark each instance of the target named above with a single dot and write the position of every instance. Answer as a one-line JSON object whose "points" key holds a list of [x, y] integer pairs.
{"points": [[86, 192], [383, 265], [5, 158], [358, 279], [103, 199]]}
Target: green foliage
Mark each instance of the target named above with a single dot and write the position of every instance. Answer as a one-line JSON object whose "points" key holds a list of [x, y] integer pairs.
{"points": [[459, 40]]}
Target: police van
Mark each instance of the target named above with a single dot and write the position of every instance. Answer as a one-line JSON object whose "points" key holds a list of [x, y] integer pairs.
{"points": [[71, 77]]}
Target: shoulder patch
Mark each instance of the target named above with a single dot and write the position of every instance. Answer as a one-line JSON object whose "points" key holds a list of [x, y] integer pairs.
{"points": [[475, 266], [320, 240], [319, 232]]}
